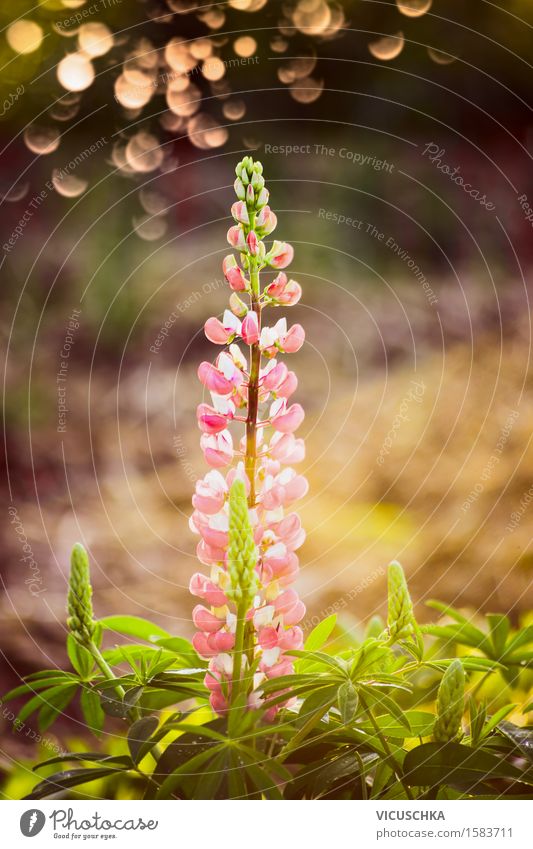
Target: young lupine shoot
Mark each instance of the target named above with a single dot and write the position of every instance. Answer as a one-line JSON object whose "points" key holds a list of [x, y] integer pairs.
{"points": [[80, 620], [450, 704], [400, 621]]}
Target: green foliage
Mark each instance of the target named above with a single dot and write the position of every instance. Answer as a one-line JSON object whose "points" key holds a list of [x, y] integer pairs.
{"points": [[378, 719]]}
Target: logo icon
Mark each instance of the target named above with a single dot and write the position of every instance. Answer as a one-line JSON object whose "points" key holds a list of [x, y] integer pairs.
{"points": [[32, 822]]}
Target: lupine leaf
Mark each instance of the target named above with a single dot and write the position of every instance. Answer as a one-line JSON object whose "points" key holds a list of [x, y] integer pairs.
{"points": [[138, 735], [92, 709], [452, 763], [134, 626]]}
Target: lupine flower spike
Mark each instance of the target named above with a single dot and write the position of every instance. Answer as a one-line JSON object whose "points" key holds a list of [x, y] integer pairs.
{"points": [[80, 620], [243, 506]]}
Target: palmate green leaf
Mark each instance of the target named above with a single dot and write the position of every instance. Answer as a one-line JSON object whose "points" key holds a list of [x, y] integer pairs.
{"points": [[59, 695], [387, 704], [38, 684], [134, 626], [316, 779], [493, 721], [499, 631], [90, 757], [470, 664], [321, 633], [195, 766], [452, 763], [139, 736], [56, 705], [348, 701], [71, 778], [420, 722], [522, 638], [183, 648], [319, 699]]}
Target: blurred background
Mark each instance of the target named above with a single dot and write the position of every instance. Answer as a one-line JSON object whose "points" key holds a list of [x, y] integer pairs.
{"points": [[396, 139]]}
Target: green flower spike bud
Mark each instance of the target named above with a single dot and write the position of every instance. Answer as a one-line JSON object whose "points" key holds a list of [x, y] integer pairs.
{"points": [[80, 620], [401, 621], [242, 552], [450, 704]]}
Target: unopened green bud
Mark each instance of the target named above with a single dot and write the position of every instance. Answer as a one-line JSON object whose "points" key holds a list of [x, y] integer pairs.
{"points": [[400, 620], [80, 620], [242, 551], [257, 181], [450, 704]]}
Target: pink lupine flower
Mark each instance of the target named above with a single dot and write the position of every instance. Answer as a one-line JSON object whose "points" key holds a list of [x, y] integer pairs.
{"points": [[210, 420], [214, 379], [210, 493], [273, 376], [287, 386], [286, 420], [222, 332], [266, 221], [234, 275], [293, 339], [236, 237], [207, 590], [250, 329], [281, 255], [253, 243], [240, 385], [217, 448], [240, 212]]}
